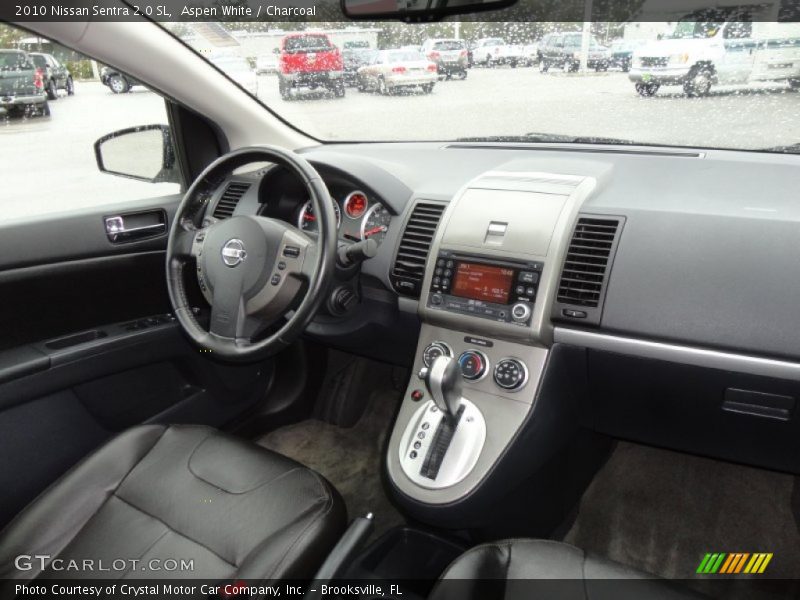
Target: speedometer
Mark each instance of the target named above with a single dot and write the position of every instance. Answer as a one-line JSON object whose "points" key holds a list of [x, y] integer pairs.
{"points": [[307, 220], [376, 223]]}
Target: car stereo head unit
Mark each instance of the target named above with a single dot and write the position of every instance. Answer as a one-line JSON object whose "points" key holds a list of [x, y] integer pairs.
{"points": [[485, 287]]}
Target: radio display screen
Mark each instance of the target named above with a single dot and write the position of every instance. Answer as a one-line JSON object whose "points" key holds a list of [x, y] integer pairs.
{"points": [[482, 282]]}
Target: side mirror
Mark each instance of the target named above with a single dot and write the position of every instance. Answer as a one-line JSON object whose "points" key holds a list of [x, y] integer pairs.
{"points": [[144, 153]]}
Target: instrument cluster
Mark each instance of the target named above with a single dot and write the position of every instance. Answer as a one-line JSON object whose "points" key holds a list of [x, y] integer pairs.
{"points": [[358, 216]]}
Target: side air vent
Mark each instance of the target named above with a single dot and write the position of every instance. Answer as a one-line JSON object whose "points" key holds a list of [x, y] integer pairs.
{"points": [[415, 245], [582, 287], [229, 199]]}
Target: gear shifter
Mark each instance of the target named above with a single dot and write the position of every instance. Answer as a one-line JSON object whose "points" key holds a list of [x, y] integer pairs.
{"points": [[443, 381]]}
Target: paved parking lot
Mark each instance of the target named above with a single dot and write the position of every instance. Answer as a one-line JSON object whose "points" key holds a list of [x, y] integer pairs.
{"points": [[507, 101], [48, 163]]}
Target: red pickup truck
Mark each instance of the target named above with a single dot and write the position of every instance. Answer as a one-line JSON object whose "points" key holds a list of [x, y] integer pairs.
{"points": [[309, 60]]}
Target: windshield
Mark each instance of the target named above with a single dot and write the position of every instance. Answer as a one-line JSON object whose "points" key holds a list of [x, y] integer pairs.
{"points": [[448, 45], [403, 56], [12, 61], [306, 43], [510, 85], [231, 63], [695, 30]]}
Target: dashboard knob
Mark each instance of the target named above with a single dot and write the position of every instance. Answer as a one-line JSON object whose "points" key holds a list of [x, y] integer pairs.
{"points": [[521, 312], [434, 350], [510, 374], [473, 365]]}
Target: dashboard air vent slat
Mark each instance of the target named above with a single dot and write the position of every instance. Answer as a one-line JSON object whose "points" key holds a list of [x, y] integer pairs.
{"points": [[230, 199], [586, 267], [415, 245]]}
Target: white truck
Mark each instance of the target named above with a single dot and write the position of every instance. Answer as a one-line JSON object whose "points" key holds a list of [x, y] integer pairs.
{"points": [[494, 51], [699, 54]]}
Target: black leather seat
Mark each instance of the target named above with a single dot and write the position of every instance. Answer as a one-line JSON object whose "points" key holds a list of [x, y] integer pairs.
{"points": [[236, 510], [532, 569]]}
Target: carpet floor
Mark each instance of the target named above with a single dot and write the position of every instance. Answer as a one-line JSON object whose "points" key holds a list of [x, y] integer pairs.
{"points": [[661, 511], [350, 458]]}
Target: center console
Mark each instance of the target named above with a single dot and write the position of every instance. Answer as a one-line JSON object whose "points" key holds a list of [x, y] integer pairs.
{"points": [[487, 294]]}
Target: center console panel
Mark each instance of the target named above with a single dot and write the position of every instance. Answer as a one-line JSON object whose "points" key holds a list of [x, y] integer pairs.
{"points": [[487, 294]]}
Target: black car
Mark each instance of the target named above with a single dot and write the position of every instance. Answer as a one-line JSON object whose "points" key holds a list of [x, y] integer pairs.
{"points": [[21, 85], [56, 75], [117, 82], [355, 55]]}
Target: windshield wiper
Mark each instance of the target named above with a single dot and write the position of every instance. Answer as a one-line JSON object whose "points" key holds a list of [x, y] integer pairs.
{"points": [[546, 138], [790, 149]]}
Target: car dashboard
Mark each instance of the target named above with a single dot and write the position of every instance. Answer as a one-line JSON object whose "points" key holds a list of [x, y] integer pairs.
{"points": [[669, 276]]}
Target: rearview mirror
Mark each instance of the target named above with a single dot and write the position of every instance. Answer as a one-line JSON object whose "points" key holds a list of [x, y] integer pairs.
{"points": [[144, 153], [417, 10]]}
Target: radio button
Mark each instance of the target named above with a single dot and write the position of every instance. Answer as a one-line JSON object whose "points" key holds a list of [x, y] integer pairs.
{"points": [[436, 299], [521, 312], [528, 277], [473, 365]]}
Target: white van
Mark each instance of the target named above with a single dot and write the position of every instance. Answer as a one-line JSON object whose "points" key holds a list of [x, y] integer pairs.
{"points": [[699, 54]]}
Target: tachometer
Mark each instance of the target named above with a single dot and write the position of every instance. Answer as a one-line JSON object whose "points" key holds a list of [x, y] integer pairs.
{"points": [[355, 205], [307, 220], [376, 223]]}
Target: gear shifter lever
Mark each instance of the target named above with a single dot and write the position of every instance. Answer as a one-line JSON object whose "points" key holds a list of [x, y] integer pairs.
{"points": [[443, 381]]}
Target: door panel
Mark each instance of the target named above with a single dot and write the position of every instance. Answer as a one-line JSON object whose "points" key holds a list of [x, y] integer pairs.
{"points": [[88, 349]]}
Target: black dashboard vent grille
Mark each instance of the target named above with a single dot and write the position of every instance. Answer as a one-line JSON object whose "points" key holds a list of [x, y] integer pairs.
{"points": [[415, 245], [587, 264], [229, 199]]}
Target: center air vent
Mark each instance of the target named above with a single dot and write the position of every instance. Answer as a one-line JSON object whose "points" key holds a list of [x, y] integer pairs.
{"points": [[229, 199], [415, 245], [586, 267]]}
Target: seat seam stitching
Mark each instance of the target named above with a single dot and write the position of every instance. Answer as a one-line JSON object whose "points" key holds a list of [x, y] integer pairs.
{"points": [[326, 510], [113, 493], [172, 529]]}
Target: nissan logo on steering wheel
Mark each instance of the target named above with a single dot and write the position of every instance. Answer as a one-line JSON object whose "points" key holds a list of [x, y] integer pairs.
{"points": [[233, 252]]}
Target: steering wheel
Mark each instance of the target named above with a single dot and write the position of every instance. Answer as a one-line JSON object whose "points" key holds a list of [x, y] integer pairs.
{"points": [[251, 269]]}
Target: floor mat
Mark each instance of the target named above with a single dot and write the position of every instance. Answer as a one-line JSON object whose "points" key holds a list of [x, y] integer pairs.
{"points": [[661, 511], [350, 458]]}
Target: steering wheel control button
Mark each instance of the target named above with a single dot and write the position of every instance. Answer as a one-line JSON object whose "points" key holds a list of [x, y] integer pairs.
{"points": [[281, 266], [521, 312], [417, 395], [510, 374], [413, 454], [426, 425], [291, 251], [276, 279], [421, 435], [433, 351], [473, 365]]}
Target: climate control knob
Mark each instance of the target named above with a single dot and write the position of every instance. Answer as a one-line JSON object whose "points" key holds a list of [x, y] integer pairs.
{"points": [[433, 351], [473, 365], [510, 374]]}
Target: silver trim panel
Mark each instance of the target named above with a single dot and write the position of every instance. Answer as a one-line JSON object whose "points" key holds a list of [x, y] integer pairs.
{"points": [[688, 355]]}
